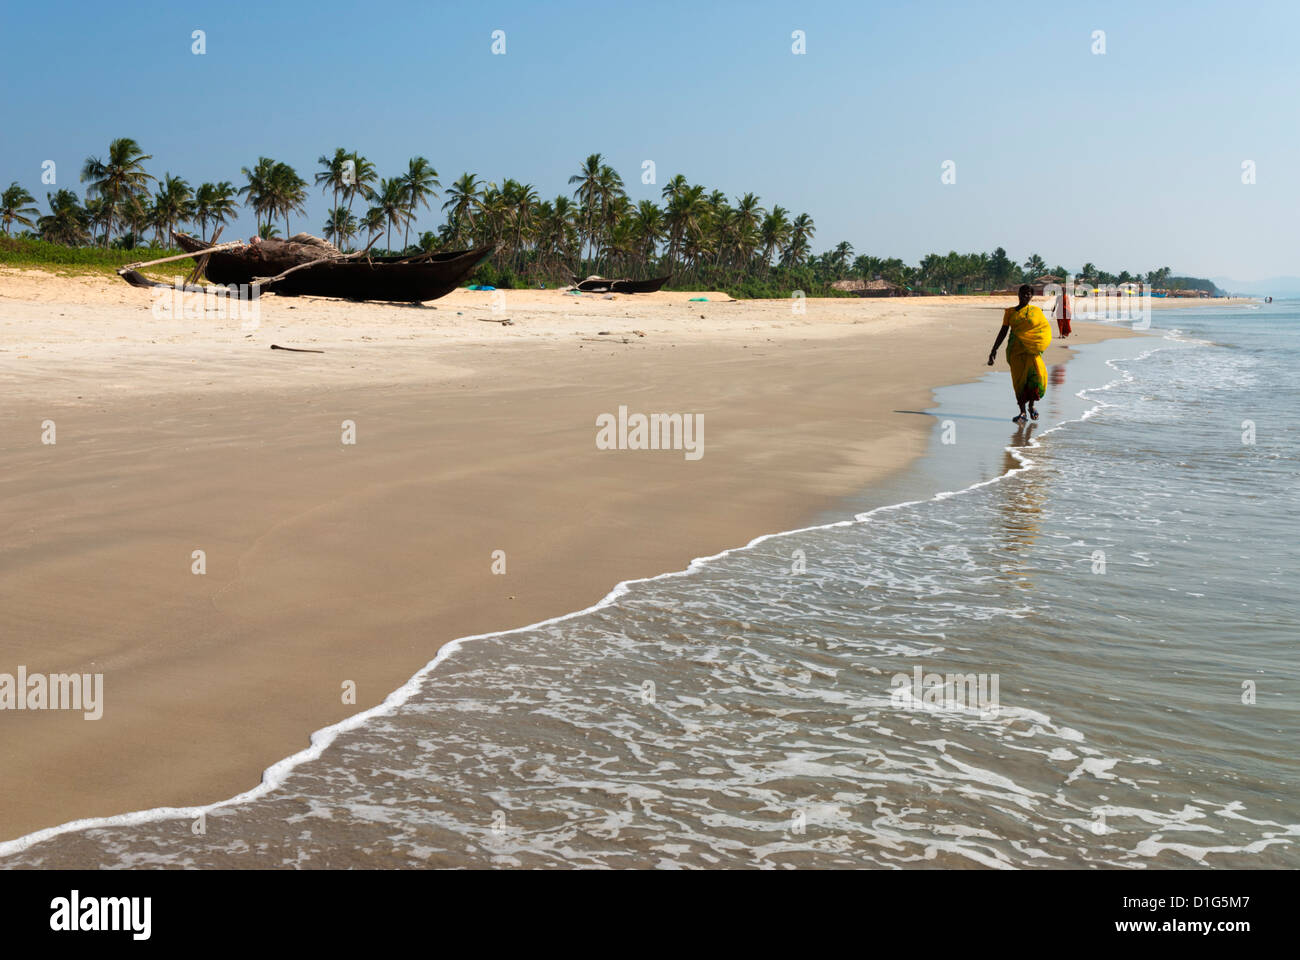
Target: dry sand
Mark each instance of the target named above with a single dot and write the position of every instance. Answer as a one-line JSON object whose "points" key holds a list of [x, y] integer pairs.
{"points": [[327, 562]]}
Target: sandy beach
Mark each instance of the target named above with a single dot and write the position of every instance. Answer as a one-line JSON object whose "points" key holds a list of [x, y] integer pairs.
{"points": [[329, 564]]}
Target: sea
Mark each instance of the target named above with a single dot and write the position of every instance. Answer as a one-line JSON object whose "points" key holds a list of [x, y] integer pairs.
{"points": [[1066, 645]]}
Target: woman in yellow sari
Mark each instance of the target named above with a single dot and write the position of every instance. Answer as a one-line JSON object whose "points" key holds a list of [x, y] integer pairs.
{"points": [[1031, 332]]}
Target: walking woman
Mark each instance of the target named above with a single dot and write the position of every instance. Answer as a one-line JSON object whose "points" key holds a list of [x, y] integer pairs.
{"points": [[1031, 332]]}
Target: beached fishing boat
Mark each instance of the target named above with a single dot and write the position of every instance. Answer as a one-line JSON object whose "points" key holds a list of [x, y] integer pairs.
{"points": [[601, 285], [309, 266]]}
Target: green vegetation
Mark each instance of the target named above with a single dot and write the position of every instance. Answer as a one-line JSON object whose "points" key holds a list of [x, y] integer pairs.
{"points": [[1195, 283], [62, 259], [700, 237]]}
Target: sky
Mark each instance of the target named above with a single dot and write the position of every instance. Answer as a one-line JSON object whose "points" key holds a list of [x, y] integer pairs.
{"points": [[1131, 159]]}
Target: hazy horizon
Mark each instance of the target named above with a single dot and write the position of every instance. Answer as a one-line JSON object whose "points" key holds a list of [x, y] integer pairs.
{"points": [[855, 131]]}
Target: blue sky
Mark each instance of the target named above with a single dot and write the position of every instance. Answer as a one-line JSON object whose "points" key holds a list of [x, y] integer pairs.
{"points": [[1131, 159]]}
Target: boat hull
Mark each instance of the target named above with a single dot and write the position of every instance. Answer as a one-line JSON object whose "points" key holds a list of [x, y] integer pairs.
{"points": [[361, 278], [621, 286]]}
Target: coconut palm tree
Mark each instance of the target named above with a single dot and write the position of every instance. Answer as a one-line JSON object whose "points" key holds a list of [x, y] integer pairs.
{"points": [[361, 182], [749, 216], [68, 222], [462, 200], [390, 201], [557, 234], [647, 229], [801, 232], [372, 224], [774, 234], [258, 192], [335, 173], [519, 203], [610, 197], [340, 227], [588, 179], [16, 206], [97, 215], [288, 193], [268, 231], [215, 202], [839, 257], [420, 182], [117, 179], [684, 217], [173, 204], [1035, 266], [137, 215]]}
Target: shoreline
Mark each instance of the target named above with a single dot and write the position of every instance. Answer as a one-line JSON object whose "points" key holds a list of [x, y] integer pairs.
{"points": [[320, 740], [769, 442]]}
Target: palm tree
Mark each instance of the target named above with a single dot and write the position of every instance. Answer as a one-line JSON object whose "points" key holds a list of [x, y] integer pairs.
{"points": [[117, 180], [137, 215], [519, 202], [288, 193], [1035, 266], [801, 232], [258, 192], [391, 204], [462, 199], [683, 216], [67, 222], [16, 206], [335, 173], [97, 215], [215, 202], [588, 180], [749, 216], [647, 228], [491, 223], [609, 195], [372, 224], [867, 267], [839, 257], [774, 234], [557, 234], [173, 204], [361, 181], [420, 183], [340, 227], [268, 231]]}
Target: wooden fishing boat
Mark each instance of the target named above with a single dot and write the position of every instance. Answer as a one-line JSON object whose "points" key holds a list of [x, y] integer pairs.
{"points": [[307, 266], [601, 285]]}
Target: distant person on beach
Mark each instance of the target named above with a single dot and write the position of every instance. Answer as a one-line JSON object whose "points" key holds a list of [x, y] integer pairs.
{"points": [[1061, 312], [1031, 332]]}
